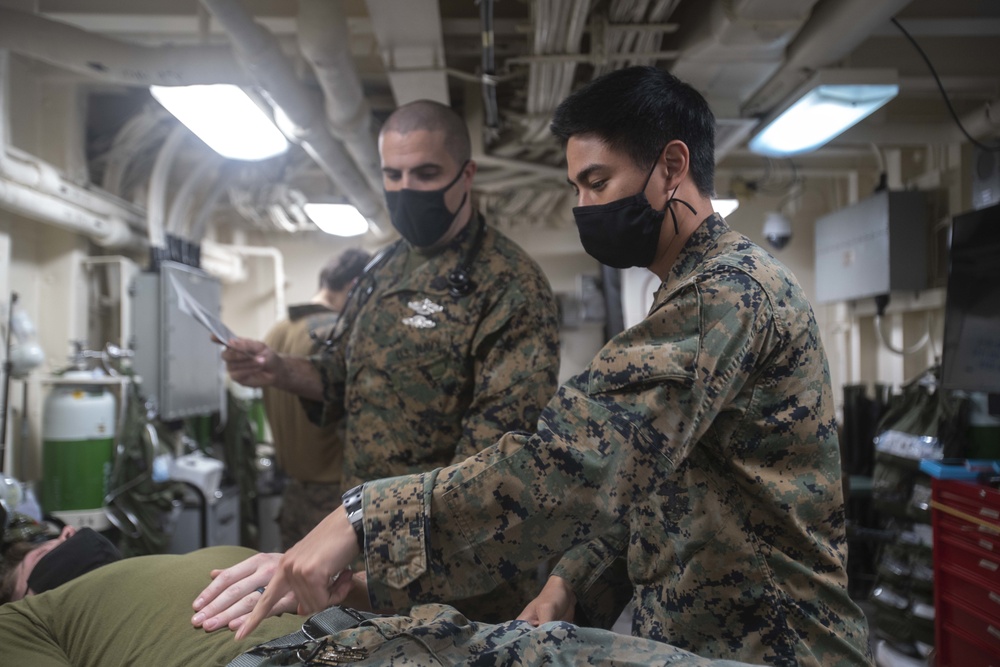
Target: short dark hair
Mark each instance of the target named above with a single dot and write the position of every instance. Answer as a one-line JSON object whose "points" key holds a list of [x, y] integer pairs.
{"points": [[433, 117], [637, 111], [12, 557], [341, 270]]}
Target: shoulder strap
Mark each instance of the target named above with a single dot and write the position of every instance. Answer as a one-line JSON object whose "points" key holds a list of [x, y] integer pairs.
{"points": [[327, 622]]}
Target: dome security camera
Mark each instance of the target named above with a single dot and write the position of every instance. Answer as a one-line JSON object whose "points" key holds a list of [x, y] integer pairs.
{"points": [[777, 230]]}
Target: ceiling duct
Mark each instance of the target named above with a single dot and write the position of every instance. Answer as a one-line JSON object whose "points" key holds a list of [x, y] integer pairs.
{"points": [[264, 60], [324, 40], [105, 59]]}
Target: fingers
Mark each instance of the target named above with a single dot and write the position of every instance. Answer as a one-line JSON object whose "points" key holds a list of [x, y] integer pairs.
{"points": [[270, 600], [285, 605], [232, 592], [235, 611]]}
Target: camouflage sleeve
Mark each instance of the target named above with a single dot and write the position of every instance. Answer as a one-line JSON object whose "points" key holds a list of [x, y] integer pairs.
{"points": [[332, 372], [516, 351], [608, 437]]}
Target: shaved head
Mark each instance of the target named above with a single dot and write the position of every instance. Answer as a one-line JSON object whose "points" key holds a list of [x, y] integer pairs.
{"points": [[432, 117]]}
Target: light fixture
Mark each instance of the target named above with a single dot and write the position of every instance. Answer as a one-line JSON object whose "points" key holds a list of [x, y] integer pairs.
{"points": [[725, 207], [337, 219], [829, 103], [225, 118]]}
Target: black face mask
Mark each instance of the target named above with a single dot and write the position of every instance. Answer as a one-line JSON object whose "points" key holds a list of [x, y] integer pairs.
{"points": [[421, 216], [85, 551], [624, 232]]}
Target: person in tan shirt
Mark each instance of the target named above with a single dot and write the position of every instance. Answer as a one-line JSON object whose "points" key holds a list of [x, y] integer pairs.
{"points": [[311, 456]]}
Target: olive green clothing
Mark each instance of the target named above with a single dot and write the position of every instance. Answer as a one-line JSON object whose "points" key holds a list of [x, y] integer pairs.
{"points": [[425, 378], [306, 452], [701, 444], [133, 612]]}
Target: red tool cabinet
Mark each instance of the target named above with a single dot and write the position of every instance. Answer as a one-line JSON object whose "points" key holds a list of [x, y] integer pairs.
{"points": [[966, 522]]}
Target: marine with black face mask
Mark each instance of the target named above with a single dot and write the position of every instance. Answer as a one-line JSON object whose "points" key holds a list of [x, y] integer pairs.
{"points": [[449, 339]]}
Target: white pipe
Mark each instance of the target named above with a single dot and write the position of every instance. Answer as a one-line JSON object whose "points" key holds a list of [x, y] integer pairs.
{"points": [[263, 58], [35, 189], [226, 266], [109, 60], [159, 179], [217, 250], [103, 230], [199, 221], [324, 40], [180, 208]]}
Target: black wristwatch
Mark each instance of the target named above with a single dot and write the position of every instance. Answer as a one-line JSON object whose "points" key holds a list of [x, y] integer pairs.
{"points": [[353, 505]]}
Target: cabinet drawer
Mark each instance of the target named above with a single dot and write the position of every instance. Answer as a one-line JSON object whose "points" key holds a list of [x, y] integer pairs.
{"points": [[973, 594], [972, 533], [956, 651], [986, 632], [964, 556], [983, 501]]}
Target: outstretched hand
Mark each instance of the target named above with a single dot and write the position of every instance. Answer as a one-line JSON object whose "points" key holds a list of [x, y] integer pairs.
{"points": [[233, 593], [315, 570], [556, 602], [251, 362]]}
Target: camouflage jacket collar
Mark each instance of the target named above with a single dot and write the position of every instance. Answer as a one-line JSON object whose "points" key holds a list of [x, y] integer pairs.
{"points": [[432, 275], [692, 256]]}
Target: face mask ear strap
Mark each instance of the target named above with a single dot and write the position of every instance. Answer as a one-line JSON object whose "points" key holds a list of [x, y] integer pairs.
{"points": [[670, 208]]}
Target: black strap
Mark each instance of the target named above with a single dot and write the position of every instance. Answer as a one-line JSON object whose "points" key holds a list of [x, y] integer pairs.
{"points": [[327, 622]]}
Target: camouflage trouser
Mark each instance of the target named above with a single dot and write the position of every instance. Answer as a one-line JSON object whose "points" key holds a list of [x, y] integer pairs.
{"points": [[303, 505], [438, 635]]}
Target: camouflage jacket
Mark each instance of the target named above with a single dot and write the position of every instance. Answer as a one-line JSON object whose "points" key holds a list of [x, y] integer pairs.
{"points": [[700, 443], [307, 452], [427, 379]]}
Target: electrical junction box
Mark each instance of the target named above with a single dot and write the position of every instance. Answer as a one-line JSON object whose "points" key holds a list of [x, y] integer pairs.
{"points": [[180, 367], [876, 246]]}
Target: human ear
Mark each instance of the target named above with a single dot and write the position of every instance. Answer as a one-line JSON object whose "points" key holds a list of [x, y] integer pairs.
{"points": [[677, 158]]}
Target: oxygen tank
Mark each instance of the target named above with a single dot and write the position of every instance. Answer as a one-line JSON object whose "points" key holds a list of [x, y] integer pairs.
{"points": [[78, 433]]}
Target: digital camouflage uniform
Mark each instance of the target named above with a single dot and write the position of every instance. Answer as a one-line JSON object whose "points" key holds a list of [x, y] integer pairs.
{"points": [[311, 456], [701, 444], [427, 379]]}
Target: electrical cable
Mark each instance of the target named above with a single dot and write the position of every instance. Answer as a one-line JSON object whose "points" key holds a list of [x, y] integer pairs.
{"points": [[995, 147], [916, 347]]}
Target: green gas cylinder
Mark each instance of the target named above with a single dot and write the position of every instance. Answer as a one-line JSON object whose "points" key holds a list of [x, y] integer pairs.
{"points": [[78, 432]]}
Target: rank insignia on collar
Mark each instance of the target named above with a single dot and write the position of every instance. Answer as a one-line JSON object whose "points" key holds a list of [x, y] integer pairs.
{"points": [[425, 307], [419, 322]]}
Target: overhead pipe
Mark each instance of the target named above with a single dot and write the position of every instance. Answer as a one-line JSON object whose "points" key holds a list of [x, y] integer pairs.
{"points": [[199, 222], [324, 40], [114, 61], [260, 53], [159, 179], [35, 189], [180, 207], [105, 231], [835, 28], [221, 253]]}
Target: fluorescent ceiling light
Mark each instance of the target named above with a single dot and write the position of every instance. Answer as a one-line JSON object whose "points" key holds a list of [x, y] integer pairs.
{"points": [[725, 207], [225, 118], [337, 219], [831, 102]]}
